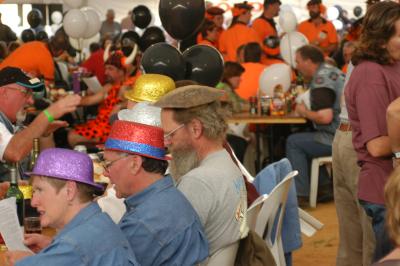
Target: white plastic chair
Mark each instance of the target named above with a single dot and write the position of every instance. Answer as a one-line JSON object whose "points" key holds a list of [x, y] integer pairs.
{"points": [[273, 207], [225, 256], [316, 163], [254, 210]]}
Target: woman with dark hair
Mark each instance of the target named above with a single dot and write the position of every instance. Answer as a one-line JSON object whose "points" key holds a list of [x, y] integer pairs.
{"points": [[373, 85], [230, 81]]}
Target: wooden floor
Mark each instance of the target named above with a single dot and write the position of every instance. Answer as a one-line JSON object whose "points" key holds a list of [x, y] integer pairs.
{"points": [[321, 248]]}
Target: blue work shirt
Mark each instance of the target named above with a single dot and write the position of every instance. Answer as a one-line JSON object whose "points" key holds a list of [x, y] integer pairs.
{"points": [[162, 226], [91, 238]]}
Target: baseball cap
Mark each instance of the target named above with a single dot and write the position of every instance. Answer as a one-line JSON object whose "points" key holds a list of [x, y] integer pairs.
{"points": [[10, 75]]}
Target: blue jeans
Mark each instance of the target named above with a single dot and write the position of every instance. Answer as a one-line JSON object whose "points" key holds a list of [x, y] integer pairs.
{"points": [[301, 148], [383, 244]]}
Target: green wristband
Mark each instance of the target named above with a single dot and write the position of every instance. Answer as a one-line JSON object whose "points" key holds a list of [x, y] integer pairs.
{"points": [[50, 118]]}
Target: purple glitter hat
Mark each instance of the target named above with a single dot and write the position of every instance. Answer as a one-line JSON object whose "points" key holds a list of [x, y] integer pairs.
{"points": [[65, 164]]}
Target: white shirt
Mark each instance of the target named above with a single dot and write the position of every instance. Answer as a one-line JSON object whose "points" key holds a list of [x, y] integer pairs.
{"points": [[5, 138]]}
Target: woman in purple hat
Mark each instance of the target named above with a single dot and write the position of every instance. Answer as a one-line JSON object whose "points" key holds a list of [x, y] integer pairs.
{"points": [[63, 190]]}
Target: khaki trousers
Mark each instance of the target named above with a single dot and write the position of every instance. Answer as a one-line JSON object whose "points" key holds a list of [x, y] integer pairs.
{"points": [[356, 237]]}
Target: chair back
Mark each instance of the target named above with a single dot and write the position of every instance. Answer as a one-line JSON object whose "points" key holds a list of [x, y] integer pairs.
{"points": [[254, 210], [225, 256], [269, 220]]}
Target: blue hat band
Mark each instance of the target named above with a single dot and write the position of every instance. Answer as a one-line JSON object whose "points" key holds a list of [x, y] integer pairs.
{"points": [[144, 149]]}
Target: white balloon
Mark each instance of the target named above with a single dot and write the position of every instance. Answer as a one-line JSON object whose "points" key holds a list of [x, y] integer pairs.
{"points": [[272, 76], [54, 28], [332, 12], [290, 42], [56, 17], [93, 22], [286, 8], [338, 24], [75, 23], [74, 3], [288, 21]]}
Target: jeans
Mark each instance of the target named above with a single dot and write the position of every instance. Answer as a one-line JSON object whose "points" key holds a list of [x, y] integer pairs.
{"points": [[301, 148], [383, 244]]}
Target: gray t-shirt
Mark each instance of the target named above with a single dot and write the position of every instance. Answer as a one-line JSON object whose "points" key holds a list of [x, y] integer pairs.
{"points": [[217, 192]]}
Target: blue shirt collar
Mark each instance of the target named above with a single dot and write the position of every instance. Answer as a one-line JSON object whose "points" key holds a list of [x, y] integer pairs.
{"points": [[83, 215], [134, 200]]}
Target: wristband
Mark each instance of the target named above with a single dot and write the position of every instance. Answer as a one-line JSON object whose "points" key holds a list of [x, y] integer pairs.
{"points": [[50, 118]]}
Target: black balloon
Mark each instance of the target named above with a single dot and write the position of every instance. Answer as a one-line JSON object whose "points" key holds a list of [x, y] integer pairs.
{"points": [[27, 35], [164, 59], [204, 64], [151, 35], [272, 41], [141, 16], [357, 11], [42, 36], [181, 18], [35, 18], [128, 41]]}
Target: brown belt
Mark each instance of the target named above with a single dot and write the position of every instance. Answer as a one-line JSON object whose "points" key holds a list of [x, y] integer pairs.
{"points": [[345, 127]]}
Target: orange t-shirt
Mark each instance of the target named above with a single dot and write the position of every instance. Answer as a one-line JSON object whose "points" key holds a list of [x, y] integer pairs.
{"points": [[264, 29], [234, 37], [207, 42], [32, 57], [325, 33], [344, 68], [249, 80]]}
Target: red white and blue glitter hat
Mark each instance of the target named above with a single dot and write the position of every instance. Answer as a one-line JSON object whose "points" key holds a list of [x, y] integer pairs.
{"points": [[131, 137]]}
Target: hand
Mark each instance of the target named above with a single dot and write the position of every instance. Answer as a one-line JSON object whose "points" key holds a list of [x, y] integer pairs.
{"points": [[63, 106], [54, 126], [13, 256], [37, 242], [3, 189], [301, 109]]}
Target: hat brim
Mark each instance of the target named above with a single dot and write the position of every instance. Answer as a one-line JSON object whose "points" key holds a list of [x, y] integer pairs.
{"points": [[93, 184], [165, 158]]}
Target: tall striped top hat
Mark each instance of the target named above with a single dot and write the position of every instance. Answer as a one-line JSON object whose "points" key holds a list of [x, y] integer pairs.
{"points": [[135, 138]]}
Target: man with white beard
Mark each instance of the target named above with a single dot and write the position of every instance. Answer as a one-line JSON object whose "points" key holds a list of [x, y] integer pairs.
{"points": [[194, 127], [16, 91]]}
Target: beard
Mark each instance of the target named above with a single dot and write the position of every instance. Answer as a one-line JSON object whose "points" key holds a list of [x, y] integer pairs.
{"points": [[183, 161], [20, 117], [314, 15]]}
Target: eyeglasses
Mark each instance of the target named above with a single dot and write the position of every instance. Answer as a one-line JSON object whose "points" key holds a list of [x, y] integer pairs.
{"points": [[107, 164], [171, 133], [27, 92]]}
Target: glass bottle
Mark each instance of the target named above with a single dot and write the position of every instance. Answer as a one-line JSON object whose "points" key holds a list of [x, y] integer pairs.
{"points": [[14, 191], [34, 153], [27, 192]]}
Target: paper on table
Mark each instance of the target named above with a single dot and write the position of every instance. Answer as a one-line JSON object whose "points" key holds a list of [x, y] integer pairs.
{"points": [[93, 84], [9, 225]]}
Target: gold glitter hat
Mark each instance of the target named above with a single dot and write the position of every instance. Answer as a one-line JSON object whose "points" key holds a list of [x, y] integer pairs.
{"points": [[150, 88]]}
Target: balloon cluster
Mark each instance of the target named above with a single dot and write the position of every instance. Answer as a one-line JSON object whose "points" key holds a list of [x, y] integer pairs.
{"points": [[82, 23], [200, 63]]}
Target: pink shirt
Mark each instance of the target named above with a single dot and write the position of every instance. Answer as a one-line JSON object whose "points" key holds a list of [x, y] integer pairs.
{"points": [[371, 88]]}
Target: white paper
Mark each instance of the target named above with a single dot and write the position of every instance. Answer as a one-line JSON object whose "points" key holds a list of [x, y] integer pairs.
{"points": [[93, 84], [305, 99], [9, 225]]}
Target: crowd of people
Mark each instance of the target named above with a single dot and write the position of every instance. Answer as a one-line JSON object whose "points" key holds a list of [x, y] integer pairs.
{"points": [[169, 151]]}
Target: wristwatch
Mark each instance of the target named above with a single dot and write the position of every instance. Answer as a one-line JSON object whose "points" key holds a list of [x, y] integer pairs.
{"points": [[396, 155]]}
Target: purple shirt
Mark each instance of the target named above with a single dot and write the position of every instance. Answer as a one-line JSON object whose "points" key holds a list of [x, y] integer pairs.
{"points": [[371, 88]]}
